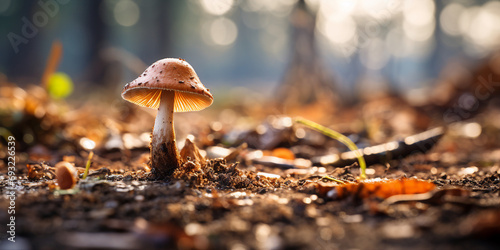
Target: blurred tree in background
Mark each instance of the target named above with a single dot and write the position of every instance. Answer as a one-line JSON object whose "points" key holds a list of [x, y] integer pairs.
{"points": [[365, 45]]}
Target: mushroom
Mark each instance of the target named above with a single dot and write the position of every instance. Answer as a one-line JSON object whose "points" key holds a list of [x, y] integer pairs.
{"points": [[66, 175], [169, 85]]}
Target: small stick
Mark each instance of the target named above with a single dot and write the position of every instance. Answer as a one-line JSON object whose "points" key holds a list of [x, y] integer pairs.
{"points": [[52, 62], [339, 137], [87, 167]]}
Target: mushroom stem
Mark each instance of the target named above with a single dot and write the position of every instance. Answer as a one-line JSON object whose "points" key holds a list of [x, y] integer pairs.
{"points": [[164, 153]]}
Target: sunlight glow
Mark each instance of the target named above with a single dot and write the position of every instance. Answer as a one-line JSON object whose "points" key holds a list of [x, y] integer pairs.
{"points": [[418, 12], [419, 21], [126, 13], [418, 32], [480, 25], [338, 29], [223, 31], [217, 7], [87, 143], [472, 130], [382, 10], [449, 19]]}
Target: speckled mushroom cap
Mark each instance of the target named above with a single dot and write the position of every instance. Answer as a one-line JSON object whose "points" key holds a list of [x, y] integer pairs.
{"points": [[169, 74]]}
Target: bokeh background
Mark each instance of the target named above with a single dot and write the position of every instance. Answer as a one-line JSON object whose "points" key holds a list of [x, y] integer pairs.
{"points": [[235, 44]]}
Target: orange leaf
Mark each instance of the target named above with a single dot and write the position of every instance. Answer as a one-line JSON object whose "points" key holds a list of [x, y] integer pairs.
{"points": [[379, 188], [283, 153]]}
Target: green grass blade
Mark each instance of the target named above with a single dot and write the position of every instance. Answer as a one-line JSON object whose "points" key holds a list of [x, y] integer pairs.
{"points": [[339, 137], [87, 167]]}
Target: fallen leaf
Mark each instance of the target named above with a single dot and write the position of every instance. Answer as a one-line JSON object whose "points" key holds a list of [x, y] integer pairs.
{"points": [[283, 153], [39, 171], [379, 188]]}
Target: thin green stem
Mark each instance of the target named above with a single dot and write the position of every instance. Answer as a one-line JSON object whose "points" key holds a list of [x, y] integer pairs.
{"points": [[339, 137], [333, 179], [87, 167]]}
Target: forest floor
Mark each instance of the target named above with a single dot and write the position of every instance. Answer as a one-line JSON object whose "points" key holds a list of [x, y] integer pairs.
{"points": [[271, 194]]}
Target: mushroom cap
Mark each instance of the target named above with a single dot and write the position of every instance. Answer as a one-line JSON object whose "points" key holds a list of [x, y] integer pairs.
{"points": [[66, 175], [169, 74]]}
